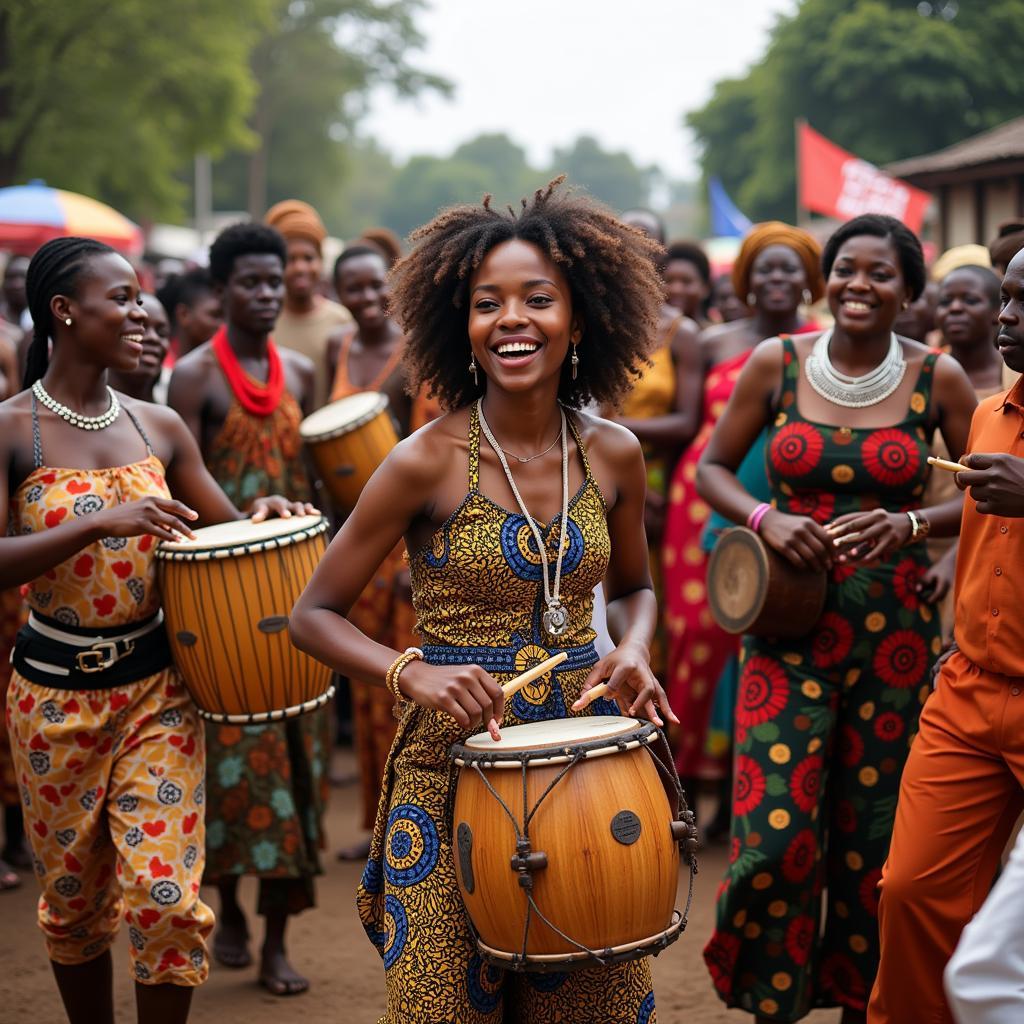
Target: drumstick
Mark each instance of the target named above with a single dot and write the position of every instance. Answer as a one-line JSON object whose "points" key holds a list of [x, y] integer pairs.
{"points": [[950, 467], [601, 690], [513, 686]]}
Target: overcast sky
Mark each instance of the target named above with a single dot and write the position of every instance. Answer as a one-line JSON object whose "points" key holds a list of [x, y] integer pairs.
{"points": [[546, 71]]}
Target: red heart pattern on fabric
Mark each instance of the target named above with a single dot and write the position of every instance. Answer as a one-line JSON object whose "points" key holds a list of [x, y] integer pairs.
{"points": [[158, 869], [160, 855], [148, 917], [122, 570], [55, 517], [83, 566], [79, 487], [145, 542], [104, 605]]}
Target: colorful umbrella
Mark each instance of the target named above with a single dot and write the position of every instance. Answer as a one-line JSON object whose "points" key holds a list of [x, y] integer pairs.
{"points": [[34, 213]]}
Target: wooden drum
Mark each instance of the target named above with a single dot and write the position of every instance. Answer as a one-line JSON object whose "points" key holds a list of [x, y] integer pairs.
{"points": [[348, 440], [753, 589], [566, 838], [227, 597]]}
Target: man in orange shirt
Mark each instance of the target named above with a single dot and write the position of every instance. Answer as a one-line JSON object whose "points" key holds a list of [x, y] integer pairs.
{"points": [[963, 786]]}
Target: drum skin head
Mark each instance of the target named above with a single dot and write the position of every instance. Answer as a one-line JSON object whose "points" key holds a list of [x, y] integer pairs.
{"points": [[343, 415], [737, 579], [242, 533], [559, 732]]}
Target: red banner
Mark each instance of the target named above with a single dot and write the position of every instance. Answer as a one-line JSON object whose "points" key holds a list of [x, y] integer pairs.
{"points": [[838, 184]]}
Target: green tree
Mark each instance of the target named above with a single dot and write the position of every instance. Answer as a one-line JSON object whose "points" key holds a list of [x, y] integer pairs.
{"points": [[427, 184], [878, 78], [510, 174], [314, 67], [103, 97], [612, 177]]}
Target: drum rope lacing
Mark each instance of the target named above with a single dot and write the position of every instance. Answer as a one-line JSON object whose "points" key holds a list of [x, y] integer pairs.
{"points": [[523, 849]]}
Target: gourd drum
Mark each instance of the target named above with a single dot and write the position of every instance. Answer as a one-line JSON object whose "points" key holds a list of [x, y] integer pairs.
{"points": [[348, 440], [227, 597], [753, 589], [567, 844]]}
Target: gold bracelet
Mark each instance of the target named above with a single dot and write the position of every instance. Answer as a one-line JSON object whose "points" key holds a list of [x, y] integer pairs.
{"points": [[919, 528], [391, 679]]}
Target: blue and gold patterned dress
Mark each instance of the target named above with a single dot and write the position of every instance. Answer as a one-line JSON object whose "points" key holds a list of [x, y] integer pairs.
{"points": [[478, 596]]}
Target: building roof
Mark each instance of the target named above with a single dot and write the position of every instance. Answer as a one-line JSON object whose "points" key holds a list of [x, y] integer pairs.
{"points": [[1004, 142]]}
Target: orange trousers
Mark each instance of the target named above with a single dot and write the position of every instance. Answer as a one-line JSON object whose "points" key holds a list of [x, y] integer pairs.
{"points": [[962, 792]]}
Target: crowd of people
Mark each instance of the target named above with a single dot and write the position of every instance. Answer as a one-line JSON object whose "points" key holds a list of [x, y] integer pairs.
{"points": [[580, 367]]}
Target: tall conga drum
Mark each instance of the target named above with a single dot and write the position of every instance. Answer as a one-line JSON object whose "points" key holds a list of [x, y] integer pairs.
{"points": [[227, 596], [753, 589], [566, 839], [348, 440]]}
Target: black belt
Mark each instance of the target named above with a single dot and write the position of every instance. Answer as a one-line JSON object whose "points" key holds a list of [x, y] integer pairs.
{"points": [[91, 659]]}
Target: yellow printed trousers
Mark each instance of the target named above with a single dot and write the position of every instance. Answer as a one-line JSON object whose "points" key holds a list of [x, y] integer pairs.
{"points": [[112, 788]]}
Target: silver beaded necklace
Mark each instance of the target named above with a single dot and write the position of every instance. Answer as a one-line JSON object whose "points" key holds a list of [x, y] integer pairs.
{"points": [[74, 418], [556, 618], [854, 392]]}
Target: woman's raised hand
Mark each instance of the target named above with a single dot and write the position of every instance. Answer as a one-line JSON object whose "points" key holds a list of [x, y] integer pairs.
{"points": [[631, 683]]}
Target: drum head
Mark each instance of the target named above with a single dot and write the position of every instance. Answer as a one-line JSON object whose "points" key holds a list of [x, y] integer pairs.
{"points": [[243, 536], [557, 733], [737, 579], [342, 416]]}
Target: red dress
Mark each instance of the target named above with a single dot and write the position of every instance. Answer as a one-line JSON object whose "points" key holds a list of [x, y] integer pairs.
{"points": [[698, 649]]}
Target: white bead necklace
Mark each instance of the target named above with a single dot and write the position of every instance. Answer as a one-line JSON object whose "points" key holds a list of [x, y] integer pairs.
{"points": [[556, 618], [74, 418], [854, 392]]}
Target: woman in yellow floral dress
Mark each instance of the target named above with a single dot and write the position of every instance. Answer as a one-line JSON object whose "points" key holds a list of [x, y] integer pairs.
{"points": [[514, 321]]}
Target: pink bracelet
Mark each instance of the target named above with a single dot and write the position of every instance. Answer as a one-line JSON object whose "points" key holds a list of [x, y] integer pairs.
{"points": [[755, 517]]}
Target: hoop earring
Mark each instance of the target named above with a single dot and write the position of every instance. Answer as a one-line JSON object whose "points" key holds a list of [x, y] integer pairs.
{"points": [[575, 362], [807, 297], [67, 320], [472, 369]]}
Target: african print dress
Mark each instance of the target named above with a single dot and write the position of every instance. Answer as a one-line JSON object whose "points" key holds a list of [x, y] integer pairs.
{"points": [[267, 784], [823, 728], [384, 614], [478, 598], [111, 776], [653, 394]]}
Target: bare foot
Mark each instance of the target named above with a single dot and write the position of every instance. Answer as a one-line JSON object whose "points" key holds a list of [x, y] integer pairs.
{"points": [[278, 976], [357, 851], [231, 942]]}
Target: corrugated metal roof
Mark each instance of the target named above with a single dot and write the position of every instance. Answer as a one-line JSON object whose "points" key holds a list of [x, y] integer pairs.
{"points": [[1004, 142]]}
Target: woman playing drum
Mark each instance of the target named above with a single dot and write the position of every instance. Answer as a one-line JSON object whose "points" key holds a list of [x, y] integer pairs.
{"points": [[107, 744], [823, 723], [538, 313]]}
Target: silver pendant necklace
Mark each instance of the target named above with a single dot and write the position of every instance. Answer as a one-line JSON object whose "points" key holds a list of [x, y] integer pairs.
{"points": [[556, 618], [74, 418], [854, 392]]}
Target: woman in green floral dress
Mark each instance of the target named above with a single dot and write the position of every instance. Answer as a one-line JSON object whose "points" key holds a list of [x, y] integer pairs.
{"points": [[823, 723]]}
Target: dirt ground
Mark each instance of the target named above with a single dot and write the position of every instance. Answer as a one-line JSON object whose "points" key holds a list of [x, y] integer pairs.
{"points": [[329, 946]]}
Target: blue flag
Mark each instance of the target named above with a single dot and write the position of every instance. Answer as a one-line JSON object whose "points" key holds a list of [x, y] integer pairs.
{"points": [[726, 220]]}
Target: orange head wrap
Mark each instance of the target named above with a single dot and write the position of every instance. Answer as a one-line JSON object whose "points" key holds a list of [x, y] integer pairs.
{"points": [[774, 232], [296, 219]]}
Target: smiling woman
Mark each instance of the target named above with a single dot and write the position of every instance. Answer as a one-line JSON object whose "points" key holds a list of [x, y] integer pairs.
{"points": [[849, 415], [514, 321], [106, 742]]}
